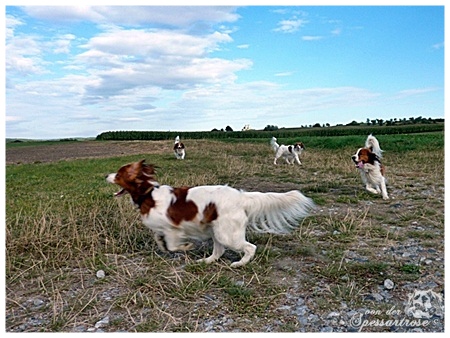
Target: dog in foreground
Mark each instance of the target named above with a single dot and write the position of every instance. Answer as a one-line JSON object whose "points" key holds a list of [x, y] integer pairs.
{"points": [[290, 153], [220, 212], [368, 162], [179, 149]]}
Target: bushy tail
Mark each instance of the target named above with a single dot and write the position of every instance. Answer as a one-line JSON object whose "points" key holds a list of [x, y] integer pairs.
{"points": [[274, 144], [372, 143], [277, 213], [177, 139]]}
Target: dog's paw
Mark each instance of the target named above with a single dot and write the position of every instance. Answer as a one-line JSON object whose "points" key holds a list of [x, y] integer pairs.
{"points": [[207, 260], [186, 247]]}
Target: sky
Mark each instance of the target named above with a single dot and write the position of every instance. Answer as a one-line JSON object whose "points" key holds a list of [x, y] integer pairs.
{"points": [[78, 71]]}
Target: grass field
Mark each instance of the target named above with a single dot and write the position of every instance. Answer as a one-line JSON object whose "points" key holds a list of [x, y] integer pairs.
{"points": [[63, 225]]}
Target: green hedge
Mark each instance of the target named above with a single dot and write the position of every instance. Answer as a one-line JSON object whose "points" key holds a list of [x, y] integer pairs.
{"points": [[280, 133]]}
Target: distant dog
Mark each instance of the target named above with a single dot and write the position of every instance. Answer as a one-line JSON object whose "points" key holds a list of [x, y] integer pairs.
{"points": [[290, 153], [179, 149], [368, 162], [220, 212]]}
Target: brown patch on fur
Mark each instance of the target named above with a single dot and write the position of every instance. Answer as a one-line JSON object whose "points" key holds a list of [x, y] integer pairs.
{"points": [[146, 204], [366, 156], [134, 178], [209, 214], [181, 209], [178, 145]]}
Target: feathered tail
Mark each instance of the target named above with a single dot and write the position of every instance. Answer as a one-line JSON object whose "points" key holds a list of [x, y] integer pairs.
{"points": [[274, 144], [177, 139], [373, 144], [277, 213]]}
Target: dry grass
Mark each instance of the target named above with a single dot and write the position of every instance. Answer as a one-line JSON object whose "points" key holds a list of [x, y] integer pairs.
{"points": [[62, 226]]}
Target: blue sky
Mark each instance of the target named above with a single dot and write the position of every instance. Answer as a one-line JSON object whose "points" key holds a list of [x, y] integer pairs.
{"points": [[80, 71]]}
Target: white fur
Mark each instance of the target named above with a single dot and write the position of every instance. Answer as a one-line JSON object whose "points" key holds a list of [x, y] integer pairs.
{"points": [[372, 142], [283, 151], [371, 174], [276, 213]]}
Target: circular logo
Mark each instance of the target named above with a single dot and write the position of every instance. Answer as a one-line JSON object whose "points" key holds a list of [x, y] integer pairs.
{"points": [[424, 304]]}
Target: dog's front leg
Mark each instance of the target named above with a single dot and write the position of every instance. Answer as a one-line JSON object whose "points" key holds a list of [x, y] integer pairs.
{"points": [[372, 190], [384, 190], [159, 239], [174, 243]]}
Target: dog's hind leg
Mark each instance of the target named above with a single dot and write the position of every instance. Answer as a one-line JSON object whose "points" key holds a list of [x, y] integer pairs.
{"points": [[218, 251], [249, 250], [234, 238], [278, 154]]}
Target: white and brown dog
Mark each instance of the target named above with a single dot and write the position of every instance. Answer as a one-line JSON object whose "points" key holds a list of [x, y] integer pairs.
{"points": [[368, 162], [179, 149], [290, 153], [220, 212]]}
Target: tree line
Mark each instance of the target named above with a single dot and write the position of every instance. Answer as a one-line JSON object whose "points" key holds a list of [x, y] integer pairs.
{"points": [[279, 133]]}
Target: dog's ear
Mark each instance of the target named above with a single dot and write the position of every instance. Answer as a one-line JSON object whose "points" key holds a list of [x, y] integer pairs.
{"points": [[148, 170], [135, 169], [373, 157]]}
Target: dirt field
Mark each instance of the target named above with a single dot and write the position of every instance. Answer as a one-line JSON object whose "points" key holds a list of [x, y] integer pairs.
{"points": [[85, 149]]}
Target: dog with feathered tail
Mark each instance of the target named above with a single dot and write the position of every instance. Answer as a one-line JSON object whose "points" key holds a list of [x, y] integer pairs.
{"points": [[179, 149], [290, 153], [178, 215], [368, 162]]}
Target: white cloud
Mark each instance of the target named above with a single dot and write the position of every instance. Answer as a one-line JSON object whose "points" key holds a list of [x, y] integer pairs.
{"points": [[336, 31], [439, 45], [282, 74], [11, 118], [135, 15], [23, 55], [414, 92], [155, 43], [11, 23], [119, 60], [290, 26], [311, 38], [63, 43]]}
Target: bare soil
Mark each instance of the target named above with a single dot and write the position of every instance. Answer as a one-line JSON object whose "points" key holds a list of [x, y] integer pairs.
{"points": [[85, 149]]}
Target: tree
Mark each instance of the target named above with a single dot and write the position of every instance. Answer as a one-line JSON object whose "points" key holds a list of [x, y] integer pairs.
{"points": [[228, 128], [353, 123], [270, 128]]}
